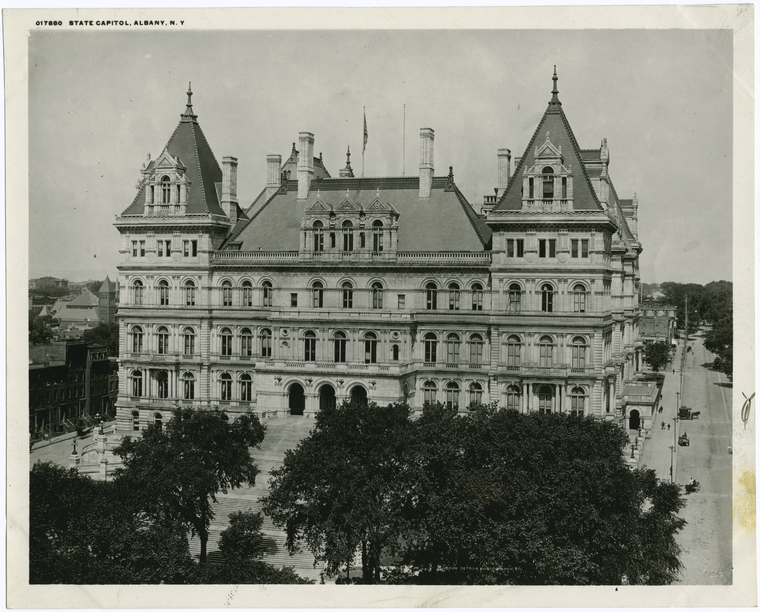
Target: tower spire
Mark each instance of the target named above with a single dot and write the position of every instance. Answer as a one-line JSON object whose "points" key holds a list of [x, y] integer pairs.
{"points": [[188, 114], [555, 99]]}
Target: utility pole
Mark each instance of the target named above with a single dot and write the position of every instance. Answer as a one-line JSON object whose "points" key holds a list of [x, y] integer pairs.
{"points": [[672, 449]]}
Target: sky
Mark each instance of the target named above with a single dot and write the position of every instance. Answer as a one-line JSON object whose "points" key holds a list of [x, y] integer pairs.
{"points": [[100, 102]]}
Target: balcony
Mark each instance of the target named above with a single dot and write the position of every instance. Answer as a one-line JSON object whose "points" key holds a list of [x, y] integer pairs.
{"points": [[243, 258], [449, 258]]}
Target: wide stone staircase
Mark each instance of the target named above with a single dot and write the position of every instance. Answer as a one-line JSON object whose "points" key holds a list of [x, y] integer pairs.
{"points": [[282, 434]]}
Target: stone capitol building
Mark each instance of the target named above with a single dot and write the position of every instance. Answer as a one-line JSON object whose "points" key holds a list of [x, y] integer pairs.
{"points": [[381, 289]]}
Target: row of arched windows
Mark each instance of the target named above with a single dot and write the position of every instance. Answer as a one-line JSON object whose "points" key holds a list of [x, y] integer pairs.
{"points": [[139, 386], [453, 396], [347, 231], [547, 292], [546, 399], [546, 352]]}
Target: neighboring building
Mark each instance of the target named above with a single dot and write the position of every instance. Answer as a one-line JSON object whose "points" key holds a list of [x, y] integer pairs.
{"points": [[658, 322], [69, 382], [107, 301], [48, 281], [640, 403], [383, 289], [82, 312]]}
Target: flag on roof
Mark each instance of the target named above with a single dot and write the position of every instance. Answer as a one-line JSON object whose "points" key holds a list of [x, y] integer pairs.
{"points": [[365, 132]]}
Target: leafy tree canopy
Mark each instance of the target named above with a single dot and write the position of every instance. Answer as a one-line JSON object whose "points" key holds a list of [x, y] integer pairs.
{"points": [[187, 462], [104, 333], [40, 330], [243, 539], [657, 355]]}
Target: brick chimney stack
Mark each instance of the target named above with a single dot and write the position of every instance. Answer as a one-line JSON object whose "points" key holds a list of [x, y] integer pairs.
{"points": [[305, 163], [229, 188], [427, 137], [274, 177], [505, 170]]}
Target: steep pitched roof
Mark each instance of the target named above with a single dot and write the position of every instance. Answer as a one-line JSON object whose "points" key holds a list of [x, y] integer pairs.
{"points": [[555, 122], [108, 286], [443, 222], [189, 144]]}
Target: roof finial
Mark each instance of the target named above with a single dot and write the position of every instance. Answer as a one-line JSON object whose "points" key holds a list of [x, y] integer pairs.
{"points": [[555, 99], [188, 114]]}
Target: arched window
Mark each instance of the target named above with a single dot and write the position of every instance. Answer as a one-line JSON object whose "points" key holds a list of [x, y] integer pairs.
{"points": [[135, 420], [247, 294], [340, 347], [377, 236], [266, 294], [513, 397], [162, 335], [452, 395], [246, 388], [515, 295], [579, 354], [163, 293], [545, 399], [348, 295], [225, 387], [476, 349], [431, 293], [547, 298], [377, 295], [477, 296], [370, 347], [137, 339], [227, 293], [514, 352], [453, 296], [188, 386], [429, 391], [137, 293], [226, 342], [266, 342], [431, 348], [476, 394], [246, 342], [310, 346], [318, 230], [317, 294], [166, 190], [189, 293], [137, 383], [395, 352], [577, 402], [162, 379], [452, 348], [158, 421], [579, 298], [348, 236], [548, 182], [546, 352]]}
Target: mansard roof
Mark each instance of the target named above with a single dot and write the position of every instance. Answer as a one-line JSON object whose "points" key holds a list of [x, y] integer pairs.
{"points": [[189, 144], [443, 222], [561, 135]]}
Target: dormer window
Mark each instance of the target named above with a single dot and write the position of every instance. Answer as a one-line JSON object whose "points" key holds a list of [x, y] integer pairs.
{"points": [[166, 190], [548, 183], [319, 237]]}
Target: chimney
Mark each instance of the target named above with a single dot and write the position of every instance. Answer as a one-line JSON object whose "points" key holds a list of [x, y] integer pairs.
{"points": [[229, 188], [305, 163], [274, 178], [505, 162], [427, 136]]}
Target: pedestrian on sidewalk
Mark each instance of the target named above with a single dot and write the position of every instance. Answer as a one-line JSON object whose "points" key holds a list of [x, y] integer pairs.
{"points": [[668, 426], [663, 425]]}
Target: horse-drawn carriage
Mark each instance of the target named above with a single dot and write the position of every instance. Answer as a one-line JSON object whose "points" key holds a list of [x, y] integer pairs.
{"points": [[683, 440]]}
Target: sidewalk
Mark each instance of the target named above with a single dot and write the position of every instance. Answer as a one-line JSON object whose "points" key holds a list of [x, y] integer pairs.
{"points": [[655, 452]]}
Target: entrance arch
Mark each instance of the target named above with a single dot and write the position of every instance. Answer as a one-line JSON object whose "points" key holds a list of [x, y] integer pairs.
{"points": [[296, 399], [359, 395], [326, 397], [634, 420]]}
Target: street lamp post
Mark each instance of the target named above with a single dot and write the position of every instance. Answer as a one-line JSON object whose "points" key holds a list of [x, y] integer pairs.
{"points": [[672, 450]]}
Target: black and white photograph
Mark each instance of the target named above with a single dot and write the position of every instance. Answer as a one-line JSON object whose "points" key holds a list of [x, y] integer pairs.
{"points": [[381, 307]]}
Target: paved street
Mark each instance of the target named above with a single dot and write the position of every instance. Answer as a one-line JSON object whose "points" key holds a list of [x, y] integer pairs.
{"points": [[706, 539]]}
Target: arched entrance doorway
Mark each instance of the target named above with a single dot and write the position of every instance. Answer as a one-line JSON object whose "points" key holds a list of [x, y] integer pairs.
{"points": [[296, 399], [634, 420], [359, 395], [326, 397]]}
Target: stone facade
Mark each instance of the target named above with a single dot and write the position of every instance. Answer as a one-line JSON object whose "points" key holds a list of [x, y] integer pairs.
{"points": [[381, 288]]}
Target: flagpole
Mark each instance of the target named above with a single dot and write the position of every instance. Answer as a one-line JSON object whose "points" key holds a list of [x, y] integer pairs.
{"points": [[364, 146], [403, 146]]}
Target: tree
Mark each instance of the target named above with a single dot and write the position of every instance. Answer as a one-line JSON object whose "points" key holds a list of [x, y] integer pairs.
{"points": [[720, 340], [104, 333], [40, 331], [333, 493], [243, 539], [657, 355], [185, 464], [87, 532]]}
